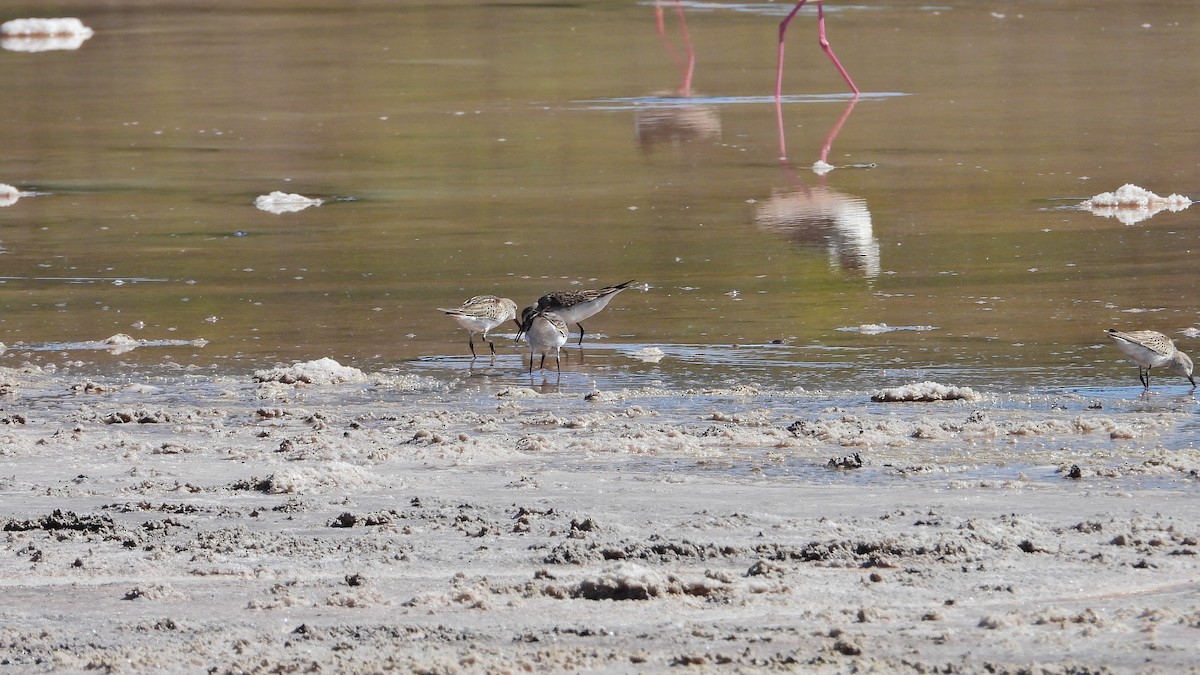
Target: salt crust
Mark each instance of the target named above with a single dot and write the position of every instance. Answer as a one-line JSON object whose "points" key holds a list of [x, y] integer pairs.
{"points": [[1131, 204], [648, 354], [333, 476], [42, 35], [877, 328], [281, 383], [321, 371], [617, 542], [925, 392], [9, 195], [45, 27], [282, 202]]}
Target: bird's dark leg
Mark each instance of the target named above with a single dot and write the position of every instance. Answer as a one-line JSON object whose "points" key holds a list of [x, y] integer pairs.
{"points": [[542, 365], [1144, 376], [471, 343], [531, 362], [557, 362], [485, 337], [580, 333]]}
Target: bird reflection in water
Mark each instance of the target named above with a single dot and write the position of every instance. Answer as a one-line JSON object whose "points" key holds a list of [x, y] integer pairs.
{"points": [[676, 119], [819, 216]]}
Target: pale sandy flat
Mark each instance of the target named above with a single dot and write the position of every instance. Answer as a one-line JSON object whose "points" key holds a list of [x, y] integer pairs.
{"points": [[359, 524]]}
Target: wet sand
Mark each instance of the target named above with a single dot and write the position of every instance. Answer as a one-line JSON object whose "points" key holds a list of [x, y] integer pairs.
{"points": [[322, 518]]}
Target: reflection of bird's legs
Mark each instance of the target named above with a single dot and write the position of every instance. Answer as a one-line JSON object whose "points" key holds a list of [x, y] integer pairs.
{"points": [[685, 88], [837, 128], [829, 139]]}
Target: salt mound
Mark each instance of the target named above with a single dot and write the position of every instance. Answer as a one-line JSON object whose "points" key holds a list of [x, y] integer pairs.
{"points": [[334, 477], [925, 392], [9, 195], [648, 354], [321, 371], [282, 202], [39, 35], [1131, 204], [625, 581], [45, 27], [121, 343]]}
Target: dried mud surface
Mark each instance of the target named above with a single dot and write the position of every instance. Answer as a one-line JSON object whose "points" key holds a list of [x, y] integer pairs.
{"points": [[283, 523]]}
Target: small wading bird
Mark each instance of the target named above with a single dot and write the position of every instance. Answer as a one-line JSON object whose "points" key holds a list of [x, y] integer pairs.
{"points": [[545, 332], [575, 306], [1149, 348], [481, 314]]}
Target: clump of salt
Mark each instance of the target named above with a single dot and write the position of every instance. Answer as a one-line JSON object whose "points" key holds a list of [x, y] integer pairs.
{"points": [[40, 35], [624, 581], [121, 343], [321, 371], [925, 392], [282, 202], [1131, 204], [9, 195], [44, 27], [648, 354]]}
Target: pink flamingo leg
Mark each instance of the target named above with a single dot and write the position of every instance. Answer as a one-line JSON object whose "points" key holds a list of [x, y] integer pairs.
{"points": [[783, 26], [829, 50], [685, 88]]}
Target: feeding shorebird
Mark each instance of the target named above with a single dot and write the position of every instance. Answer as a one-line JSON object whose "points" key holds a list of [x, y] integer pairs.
{"points": [[1149, 348], [481, 314], [545, 332], [575, 306]]}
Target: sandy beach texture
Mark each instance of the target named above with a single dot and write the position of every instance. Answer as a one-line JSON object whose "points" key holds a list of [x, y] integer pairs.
{"points": [[321, 519]]}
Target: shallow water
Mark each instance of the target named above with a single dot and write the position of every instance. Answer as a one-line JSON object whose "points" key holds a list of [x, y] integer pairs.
{"points": [[466, 148]]}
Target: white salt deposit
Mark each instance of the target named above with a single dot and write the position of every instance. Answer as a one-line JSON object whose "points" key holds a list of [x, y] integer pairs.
{"points": [[45, 27], [121, 343], [9, 195], [925, 392], [188, 522], [282, 202], [40, 35], [318, 479], [821, 168], [1131, 204], [877, 328], [648, 354], [321, 371], [870, 328]]}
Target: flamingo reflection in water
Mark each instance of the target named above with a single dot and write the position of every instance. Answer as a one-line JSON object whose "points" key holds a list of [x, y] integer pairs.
{"points": [[823, 217], [820, 216], [678, 120]]}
